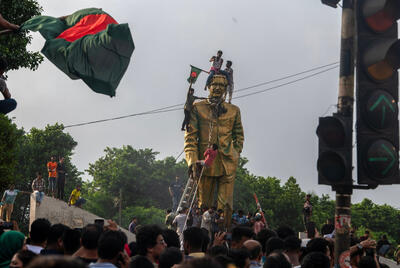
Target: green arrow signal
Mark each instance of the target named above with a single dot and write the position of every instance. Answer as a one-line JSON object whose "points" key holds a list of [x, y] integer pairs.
{"points": [[377, 102], [384, 159]]}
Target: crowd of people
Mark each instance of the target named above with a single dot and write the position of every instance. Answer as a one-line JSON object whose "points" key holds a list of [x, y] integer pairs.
{"points": [[106, 246]]}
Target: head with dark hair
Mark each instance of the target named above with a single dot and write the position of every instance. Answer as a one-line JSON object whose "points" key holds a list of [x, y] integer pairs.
{"points": [[169, 210], [56, 261], [228, 63], [263, 237], [311, 229], [3, 65], [90, 236], [277, 260], [315, 260], [215, 147], [39, 231], [318, 245], [111, 244], [56, 232], [169, 257], [274, 244], [254, 248], [219, 53], [218, 250], [285, 231], [327, 228], [54, 239], [171, 238], [150, 241], [193, 238], [292, 243], [22, 258], [240, 234], [71, 241], [140, 262], [241, 257]]}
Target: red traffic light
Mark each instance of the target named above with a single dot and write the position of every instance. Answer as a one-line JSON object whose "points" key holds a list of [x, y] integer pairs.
{"points": [[380, 15]]}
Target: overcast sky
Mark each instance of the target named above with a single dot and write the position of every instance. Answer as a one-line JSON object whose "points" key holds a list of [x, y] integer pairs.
{"points": [[265, 40]]}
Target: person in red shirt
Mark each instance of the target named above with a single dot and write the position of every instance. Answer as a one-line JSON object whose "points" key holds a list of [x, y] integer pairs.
{"points": [[52, 169], [209, 155]]}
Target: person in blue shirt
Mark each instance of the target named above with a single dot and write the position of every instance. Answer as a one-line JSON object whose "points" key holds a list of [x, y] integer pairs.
{"points": [[7, 201]]}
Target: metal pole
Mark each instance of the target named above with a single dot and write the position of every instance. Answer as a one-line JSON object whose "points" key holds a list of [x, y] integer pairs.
{"points": [[345, 108], [346, 80]]}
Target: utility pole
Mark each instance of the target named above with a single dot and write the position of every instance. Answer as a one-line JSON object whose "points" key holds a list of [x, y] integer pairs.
{"points": [[345, 108]]}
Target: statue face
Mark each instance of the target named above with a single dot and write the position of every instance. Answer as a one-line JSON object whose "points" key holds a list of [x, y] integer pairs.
{"points": [[218, 86]]}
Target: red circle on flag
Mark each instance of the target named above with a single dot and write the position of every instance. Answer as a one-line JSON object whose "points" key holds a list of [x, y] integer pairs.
{"points": [[194, 74]]}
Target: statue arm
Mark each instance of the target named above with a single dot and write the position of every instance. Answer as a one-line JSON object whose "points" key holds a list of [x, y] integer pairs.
{"points": [[191, 139], [237, 133]]}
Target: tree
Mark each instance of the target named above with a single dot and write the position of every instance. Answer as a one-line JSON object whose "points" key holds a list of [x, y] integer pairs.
{"points": [[13, 46], [143, 180], [9, 136]]}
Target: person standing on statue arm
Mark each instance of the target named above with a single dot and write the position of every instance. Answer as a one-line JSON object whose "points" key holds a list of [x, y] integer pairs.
{"points": [[213, 121]]}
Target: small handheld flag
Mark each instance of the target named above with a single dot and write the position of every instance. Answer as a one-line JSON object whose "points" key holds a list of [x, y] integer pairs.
{"points": [[194, 73]]}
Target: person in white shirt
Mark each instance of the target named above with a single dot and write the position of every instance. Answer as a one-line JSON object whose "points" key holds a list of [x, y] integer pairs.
{"points": [[40, 229], [206, 220], [179, 222]]}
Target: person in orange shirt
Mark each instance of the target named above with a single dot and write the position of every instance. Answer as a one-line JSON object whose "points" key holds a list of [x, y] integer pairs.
{"points": [[52, 169]]}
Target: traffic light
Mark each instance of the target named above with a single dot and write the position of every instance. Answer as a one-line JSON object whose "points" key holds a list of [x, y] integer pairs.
{"points": [[335, 150], [378, 58]]}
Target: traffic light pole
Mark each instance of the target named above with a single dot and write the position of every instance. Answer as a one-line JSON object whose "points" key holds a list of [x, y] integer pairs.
{"points": [[345, 108]]}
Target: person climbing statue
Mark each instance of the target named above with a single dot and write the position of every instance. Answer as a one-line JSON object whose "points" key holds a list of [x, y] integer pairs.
{"points": [[213, 121], [229, 71], [188, 108], [209, 155]]}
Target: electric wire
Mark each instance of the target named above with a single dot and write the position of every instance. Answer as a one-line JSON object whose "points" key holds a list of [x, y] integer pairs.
{"points": [[171, 108]]}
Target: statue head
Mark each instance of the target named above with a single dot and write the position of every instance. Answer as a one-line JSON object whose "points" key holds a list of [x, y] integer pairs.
{"points": [[218, 86]]}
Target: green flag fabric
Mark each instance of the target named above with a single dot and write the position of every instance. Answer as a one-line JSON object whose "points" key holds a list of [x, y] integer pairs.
{"points": [[194, 73], [88, 45]]}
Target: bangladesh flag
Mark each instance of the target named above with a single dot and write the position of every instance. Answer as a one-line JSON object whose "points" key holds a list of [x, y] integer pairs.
{"points": [[88, 45], [194, 73]]}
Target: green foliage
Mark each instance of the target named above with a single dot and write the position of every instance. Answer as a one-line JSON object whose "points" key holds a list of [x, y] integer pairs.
{"points": [[9, 136], [380, 219], [13, 46], [145, 215]]}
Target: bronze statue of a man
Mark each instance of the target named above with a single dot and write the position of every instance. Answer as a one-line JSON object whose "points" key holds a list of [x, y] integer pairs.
{"points": [[213, 121]]}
